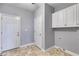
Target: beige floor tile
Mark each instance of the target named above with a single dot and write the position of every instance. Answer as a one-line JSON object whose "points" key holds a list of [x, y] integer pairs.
{"points": [[33, 50]]}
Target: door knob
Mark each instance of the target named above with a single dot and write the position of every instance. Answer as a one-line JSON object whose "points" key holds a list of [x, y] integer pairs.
{"points": [[40, 34], [17, 33]]}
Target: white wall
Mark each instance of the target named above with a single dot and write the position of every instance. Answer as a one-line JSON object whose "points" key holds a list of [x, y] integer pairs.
{"points": [[47, 34], [26, 22], [39, 28]]}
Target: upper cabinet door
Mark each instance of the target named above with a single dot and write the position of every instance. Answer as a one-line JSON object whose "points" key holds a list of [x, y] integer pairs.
{"points": [[74, 14], [55, 19], [58, 19], [61, 18], [69, 16], [77, 21]]}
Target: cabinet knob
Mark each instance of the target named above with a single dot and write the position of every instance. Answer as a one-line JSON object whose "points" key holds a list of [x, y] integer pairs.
{"points": [[65, 25]]}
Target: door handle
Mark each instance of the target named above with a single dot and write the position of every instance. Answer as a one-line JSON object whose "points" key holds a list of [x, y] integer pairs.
{"points": [[17, 33], [40, 34]]}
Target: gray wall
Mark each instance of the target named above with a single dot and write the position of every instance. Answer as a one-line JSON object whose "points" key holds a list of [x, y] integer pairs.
{"points": [[26, 22], [49, 33]]}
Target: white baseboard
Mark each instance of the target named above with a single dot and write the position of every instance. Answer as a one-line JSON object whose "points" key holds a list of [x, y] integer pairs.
{"points": [[26, 45], [50, 48], [40, 48], [31, 44]]}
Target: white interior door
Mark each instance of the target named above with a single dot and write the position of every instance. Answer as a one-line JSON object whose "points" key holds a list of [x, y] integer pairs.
{"points": [[38, 31], [10, 32]]}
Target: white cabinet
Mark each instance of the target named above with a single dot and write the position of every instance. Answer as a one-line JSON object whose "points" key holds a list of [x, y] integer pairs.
{"points": [[77, 19], [61, 18], [66, 17], [67, 40], [75, 15], [58, 19], [55, 19], [71, 16]]}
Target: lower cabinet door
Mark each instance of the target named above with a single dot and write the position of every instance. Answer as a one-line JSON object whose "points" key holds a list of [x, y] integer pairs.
{"points": [[68, 41]]}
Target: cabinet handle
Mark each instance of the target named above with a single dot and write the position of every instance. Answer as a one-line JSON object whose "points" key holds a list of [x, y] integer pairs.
{"points": [[65, 25], [59, 38], [77, 24]]}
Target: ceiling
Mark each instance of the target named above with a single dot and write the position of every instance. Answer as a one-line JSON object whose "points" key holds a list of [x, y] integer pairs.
{"points": [[33, 7], [26, 6], [59, 6]]}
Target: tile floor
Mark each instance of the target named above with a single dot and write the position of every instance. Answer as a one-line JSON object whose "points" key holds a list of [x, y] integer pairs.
{"points": [[33, 50]]}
